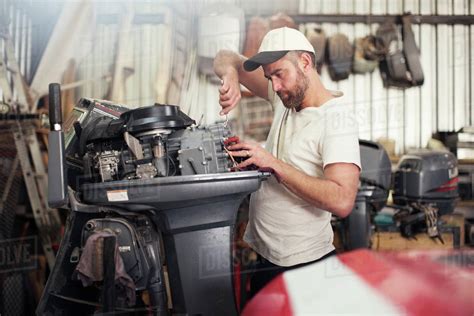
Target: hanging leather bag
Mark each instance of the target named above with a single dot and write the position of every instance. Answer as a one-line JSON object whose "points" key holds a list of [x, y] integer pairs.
{"points": [[340, 55], [368, 51], [411, 52], [393, 68], [402, 66], [317, 38]]}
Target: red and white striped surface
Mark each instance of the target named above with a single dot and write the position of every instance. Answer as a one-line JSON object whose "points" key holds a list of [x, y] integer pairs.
{"points": [[368, 283]]}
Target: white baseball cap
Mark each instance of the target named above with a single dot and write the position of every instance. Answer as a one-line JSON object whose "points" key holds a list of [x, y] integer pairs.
{"points": [[276, 44]]}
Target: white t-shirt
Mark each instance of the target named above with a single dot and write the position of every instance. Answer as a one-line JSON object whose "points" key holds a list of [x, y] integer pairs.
{"points": [[284, 228]]}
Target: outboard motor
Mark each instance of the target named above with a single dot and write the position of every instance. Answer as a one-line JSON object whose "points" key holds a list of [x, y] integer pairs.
{"points": [[374, 187], [426, 185], [163, 189]]}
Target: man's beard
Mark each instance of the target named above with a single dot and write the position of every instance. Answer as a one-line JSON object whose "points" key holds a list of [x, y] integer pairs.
{"points": [[294, 98]]}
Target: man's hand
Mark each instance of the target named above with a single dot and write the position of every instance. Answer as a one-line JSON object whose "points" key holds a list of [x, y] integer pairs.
{"points": [[228, 67], [254, 154], [229, 92]]}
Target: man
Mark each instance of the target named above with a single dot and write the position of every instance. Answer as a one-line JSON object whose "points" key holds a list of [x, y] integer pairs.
{"points": [[312, 148]]}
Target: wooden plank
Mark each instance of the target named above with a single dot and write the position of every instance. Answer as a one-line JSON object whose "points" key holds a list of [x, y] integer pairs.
{"points": [[99, 61], [167, 286], [142, 63], [312, 7], [411, 102], [29, 51], [328, 6], [347, 85], [378, 98], [135, 84], [445, 75], [163, 70], [427, 43], [459, 68], [362, 82], [382, 241], [67, 96], [91, 63], [471, 65], [159, 94], [110, 40], [395, 100]]}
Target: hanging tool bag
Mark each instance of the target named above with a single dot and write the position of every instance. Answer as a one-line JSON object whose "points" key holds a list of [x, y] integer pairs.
{"points": [[317, 38], [402, 65], [340, 54], [368, 51]]}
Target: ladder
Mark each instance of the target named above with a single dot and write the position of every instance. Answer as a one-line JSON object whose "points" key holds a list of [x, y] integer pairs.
{"points": [[15, 98]]}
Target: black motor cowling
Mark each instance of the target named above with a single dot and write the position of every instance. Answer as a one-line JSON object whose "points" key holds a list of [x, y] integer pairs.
{"points": [[376, 174], [374, 187]]}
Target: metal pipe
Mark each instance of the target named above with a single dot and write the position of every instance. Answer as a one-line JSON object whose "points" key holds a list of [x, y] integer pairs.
{"points": [[380, 18]]}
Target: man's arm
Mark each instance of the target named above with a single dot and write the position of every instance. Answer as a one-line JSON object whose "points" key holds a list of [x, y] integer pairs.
{"points": [[335, 193], [228, 66]]}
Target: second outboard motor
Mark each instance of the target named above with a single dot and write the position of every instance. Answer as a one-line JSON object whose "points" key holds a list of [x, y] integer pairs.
{"points": [[374, 186], [426, 184], [427, 177]]}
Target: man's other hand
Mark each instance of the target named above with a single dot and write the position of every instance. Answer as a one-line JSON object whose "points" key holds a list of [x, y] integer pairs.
{"points": [[253, 154]]}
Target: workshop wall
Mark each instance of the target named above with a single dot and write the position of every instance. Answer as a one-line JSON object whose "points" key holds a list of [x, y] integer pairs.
{"points": [[157, 60]]}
